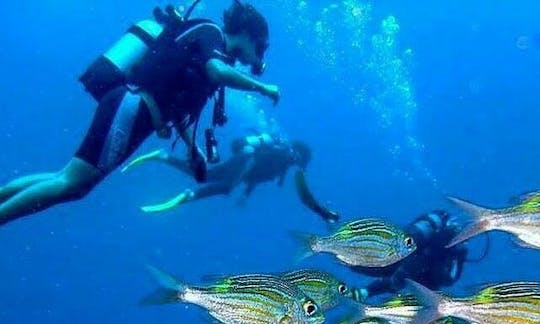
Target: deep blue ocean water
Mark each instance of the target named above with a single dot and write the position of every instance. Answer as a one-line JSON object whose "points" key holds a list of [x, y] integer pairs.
{"points": [[443, 98]]}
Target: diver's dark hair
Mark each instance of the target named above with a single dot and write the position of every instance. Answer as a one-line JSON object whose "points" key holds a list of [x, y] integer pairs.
{"points": [[303, 151], [243, 17]]}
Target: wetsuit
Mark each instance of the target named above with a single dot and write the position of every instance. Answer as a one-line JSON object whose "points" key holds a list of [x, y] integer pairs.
{"points": [[177, 82], [265, 163]]}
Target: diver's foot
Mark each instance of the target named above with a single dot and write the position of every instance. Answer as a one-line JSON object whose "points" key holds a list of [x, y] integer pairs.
{"points": [[154, 155], [184, 197]]}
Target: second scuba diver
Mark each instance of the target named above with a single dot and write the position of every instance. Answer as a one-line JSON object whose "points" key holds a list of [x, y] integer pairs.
{"points": [[255, 159], [432, 265]]}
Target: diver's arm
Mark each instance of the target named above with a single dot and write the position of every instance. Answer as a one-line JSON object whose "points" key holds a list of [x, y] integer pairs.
{"points": [[307, 198], [226, 75]]}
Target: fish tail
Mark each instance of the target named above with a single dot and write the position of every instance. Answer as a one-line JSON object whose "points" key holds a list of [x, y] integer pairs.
{"points": [[171, 289], [306, 242], [356, 315], [478, 225], [430, 301]]}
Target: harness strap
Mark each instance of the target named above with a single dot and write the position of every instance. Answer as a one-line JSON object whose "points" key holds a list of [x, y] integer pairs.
{"points": [[161, 127]]}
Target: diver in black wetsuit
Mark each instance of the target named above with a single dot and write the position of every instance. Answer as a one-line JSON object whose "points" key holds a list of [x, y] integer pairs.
{"points": [[432, 264], [255, 159], [157, 77]]}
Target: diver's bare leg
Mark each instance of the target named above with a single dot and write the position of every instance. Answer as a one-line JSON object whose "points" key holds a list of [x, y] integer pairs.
{"points": [[72, 183], [19, 184]]}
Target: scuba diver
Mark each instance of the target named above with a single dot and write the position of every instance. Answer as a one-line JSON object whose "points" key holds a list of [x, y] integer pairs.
{"points": [[255, 159], [158, 76], [432, 264]]}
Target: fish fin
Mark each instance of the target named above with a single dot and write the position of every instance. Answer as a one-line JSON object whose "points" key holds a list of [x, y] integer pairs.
{"points": [[160, 296], [171, 289], [524, 241], [430, 301], [528, 196], [306, 242], [474, 210], [472, 229], [214, 278], [371, 320], [218, 317], [356, 315], [478, 225]]}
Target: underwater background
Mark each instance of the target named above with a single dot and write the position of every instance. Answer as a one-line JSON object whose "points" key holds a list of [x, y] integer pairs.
{"points": [[402, 102]]}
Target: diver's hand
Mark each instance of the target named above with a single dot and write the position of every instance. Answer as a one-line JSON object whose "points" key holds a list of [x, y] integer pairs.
{"points": [[271, 91]]}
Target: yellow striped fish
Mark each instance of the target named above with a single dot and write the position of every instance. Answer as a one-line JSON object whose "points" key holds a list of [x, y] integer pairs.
{"points": [[247, 299], [513, 302], [522, 220], [365, 243], [325, 289], [401, 309]]}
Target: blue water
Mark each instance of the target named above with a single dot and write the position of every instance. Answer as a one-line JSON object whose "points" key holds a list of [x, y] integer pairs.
{"points": [[442, 99]]}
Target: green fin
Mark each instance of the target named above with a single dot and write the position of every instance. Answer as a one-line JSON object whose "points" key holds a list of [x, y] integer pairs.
{"points": [[170, 204], [141, 159]]}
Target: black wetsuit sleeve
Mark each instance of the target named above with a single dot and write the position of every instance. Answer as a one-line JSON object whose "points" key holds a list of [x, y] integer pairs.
{"points": [[210, 43], [389, 284], [380, 286]]}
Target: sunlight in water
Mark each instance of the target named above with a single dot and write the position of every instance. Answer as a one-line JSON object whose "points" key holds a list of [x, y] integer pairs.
{"points": [[337, 38]]}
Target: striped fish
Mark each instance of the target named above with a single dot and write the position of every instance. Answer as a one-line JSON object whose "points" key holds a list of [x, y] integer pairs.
{"points": [[401, 309], [365, 243], [513, 302], [522, 220], [247, 299], [378, 320], [325, 289]]}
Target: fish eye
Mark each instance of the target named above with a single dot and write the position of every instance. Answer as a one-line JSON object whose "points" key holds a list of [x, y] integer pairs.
{"points": [[342, 289], [310, 308], [409, 242]]}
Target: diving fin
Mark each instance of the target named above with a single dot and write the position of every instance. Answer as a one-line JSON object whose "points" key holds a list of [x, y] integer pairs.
{"points": [[185, 196], [143, 158]]}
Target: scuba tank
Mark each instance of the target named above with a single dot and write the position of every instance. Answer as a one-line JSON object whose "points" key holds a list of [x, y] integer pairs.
{"points": [[112, 69], [116, 66], [249, 144]]}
